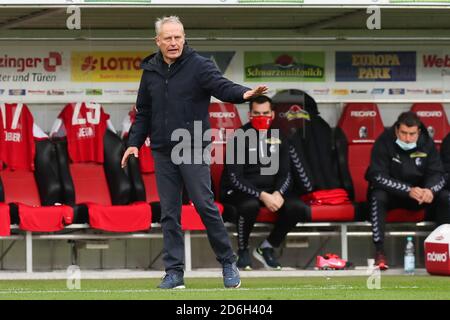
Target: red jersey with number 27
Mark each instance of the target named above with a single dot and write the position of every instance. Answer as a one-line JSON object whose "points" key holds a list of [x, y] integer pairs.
{"points": [[17, 142]]}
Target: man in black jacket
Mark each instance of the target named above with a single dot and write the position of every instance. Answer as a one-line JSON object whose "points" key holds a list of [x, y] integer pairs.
{"points": [[174, 93], [259, 176], [405, 172]]}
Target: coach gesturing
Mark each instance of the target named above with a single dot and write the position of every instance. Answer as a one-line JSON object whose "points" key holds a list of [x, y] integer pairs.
{"points": [[175, 91]]}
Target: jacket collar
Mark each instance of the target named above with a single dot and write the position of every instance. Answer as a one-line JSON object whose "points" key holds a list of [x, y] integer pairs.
{"points": [[155, 61], [424, 137]]}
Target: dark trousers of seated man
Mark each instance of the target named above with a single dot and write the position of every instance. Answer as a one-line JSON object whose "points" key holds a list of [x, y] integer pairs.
{"points": [[381, 201], [247, 207]]}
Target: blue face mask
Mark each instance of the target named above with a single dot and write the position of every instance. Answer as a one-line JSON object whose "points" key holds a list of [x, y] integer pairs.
{"points": [[406, 146]]}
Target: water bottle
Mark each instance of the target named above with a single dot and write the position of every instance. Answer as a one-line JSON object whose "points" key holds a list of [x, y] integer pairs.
{"points": [[409, 256]]}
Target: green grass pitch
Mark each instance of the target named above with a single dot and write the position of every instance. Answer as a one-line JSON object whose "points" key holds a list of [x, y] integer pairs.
{"points": [[304, 288]]}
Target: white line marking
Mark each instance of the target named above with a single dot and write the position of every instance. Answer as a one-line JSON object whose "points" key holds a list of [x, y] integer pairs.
{"points": [[343, 287]]}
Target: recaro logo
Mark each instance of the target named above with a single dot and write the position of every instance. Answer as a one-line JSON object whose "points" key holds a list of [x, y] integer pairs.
{"points": [[222, 115], [363, 114], [437, 257], [429, 114]]}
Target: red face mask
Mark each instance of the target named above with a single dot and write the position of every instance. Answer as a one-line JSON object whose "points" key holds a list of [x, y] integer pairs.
{"points": [[261, 122]]}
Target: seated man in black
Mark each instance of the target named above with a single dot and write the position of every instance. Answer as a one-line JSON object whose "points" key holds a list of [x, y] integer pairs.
{"points": [[259, 176], [405, 172]]}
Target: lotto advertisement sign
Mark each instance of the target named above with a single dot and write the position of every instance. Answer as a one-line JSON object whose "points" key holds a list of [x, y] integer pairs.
{"points": [[106, 66]]}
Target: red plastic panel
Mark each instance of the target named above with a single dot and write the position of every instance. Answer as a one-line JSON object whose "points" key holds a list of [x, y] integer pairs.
{"points": [[146, 161], [190, 219], [44, 219], [403, 215], [129, 218], [20, 186], [358, 162], [151, 190], [343, 212], [361, 122], [5, 220], [216, 172], [222, 116], [90, 183], [434, 118], [265, 215]]}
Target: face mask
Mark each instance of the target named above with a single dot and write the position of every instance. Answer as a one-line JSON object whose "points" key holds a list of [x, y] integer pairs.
{"points": [[406, 146], [261, 122]]}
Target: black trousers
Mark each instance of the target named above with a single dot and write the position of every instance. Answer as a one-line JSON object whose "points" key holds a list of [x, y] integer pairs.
{"points": [[380, 201], [247, 207], [170, 179]]}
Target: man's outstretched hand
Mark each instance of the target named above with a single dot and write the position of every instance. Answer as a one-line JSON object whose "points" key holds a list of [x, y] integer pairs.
{"points": [[130, 151], [259, 90]]}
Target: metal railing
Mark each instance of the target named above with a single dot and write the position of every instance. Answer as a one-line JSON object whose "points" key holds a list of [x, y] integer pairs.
{"points": [[338, 229]]}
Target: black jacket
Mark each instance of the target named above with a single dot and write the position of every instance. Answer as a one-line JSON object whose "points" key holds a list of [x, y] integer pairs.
{"points": [[172, 97], [245, 176], [397, 171]]}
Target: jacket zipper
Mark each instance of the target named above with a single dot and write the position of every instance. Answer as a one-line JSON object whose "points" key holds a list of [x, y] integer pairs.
{"points": [[167, 100]]}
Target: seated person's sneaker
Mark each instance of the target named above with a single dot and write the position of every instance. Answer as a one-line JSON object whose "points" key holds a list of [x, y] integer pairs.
{"points": [[381, 261], [244, 261], [267, 257], [231, 278], [172, 281]]}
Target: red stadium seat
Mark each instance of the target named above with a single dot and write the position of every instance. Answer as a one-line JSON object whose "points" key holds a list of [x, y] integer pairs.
{"points": [[225, 117], [403, 215], [5, 220], [326, 213], [297, 113], [29, 174], [190, 219], [434, 118], [146, 161], [361, 124], [93, 180]]}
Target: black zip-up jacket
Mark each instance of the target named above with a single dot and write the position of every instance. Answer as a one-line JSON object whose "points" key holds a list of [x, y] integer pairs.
{"points": [[172, 97], [246, 177], [397, 171]]}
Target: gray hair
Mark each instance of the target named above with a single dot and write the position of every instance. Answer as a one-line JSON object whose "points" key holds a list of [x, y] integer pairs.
{"points": [[160, 21]]}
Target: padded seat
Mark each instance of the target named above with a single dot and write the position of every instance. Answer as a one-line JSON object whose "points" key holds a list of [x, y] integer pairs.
{"points": [[29, 174], [435, 119], [297, 116], [144, 183], [358, 128], [93, 181]]}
